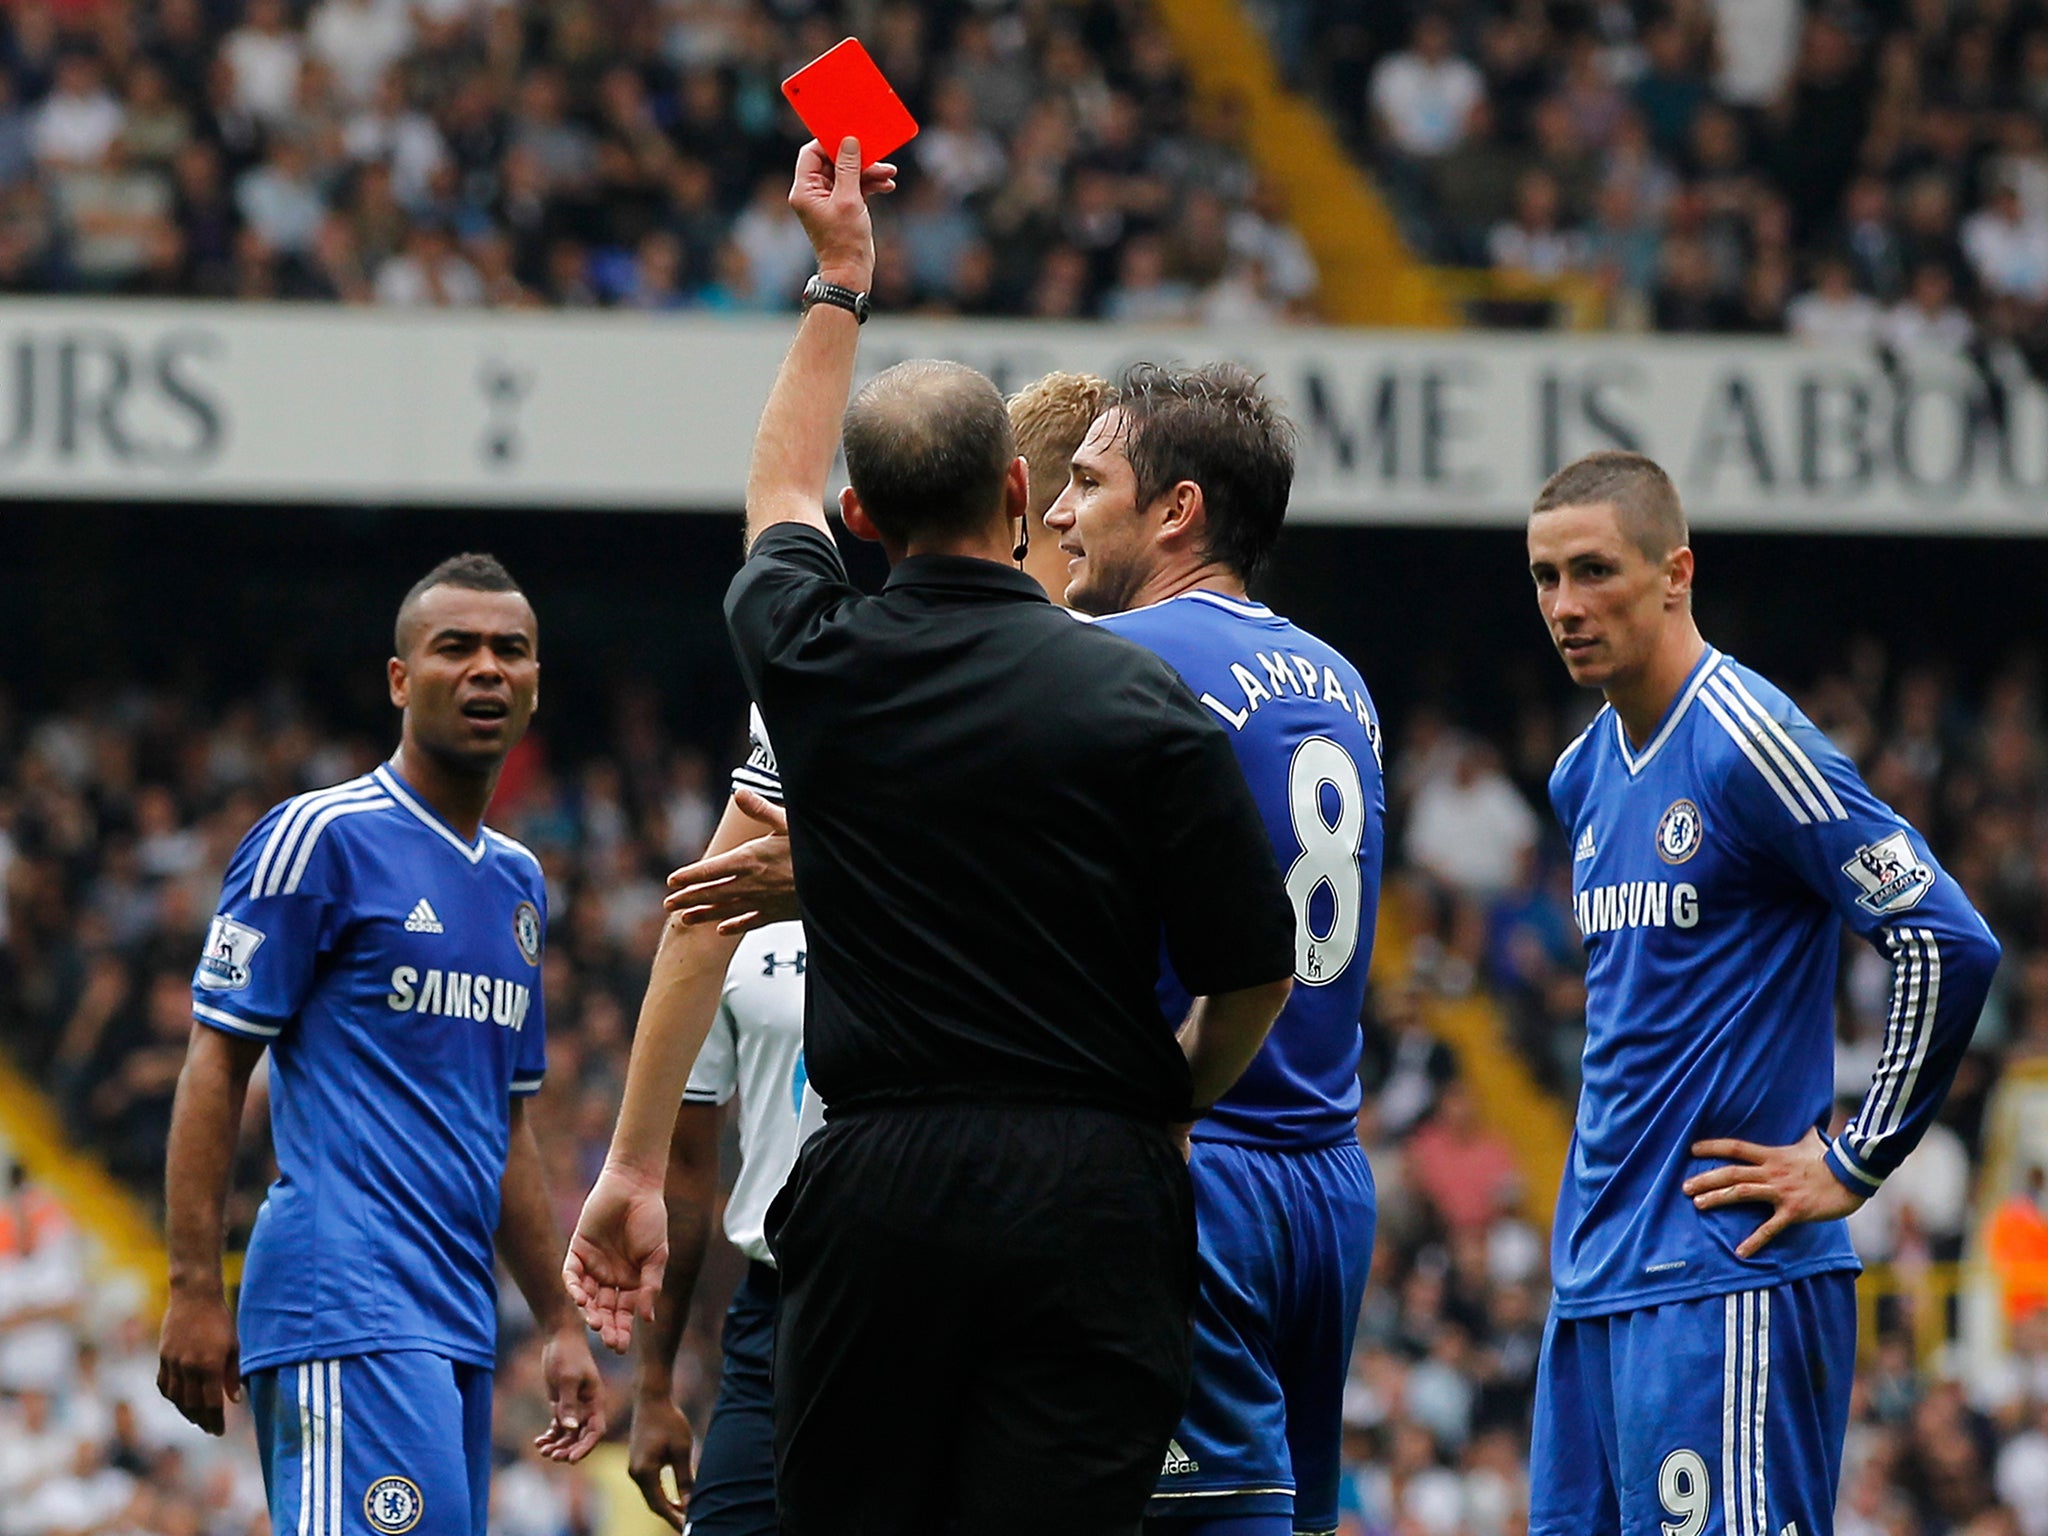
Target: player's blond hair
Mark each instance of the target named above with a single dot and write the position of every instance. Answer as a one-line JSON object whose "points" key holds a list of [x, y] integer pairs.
{"points": [[1050, 417]]}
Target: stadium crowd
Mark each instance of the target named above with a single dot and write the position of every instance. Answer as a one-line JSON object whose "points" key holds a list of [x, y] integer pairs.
{"points": [[118, 812], [629, 153], [1848, 172]]}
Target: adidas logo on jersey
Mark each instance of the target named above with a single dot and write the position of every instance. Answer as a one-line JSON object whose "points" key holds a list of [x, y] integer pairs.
{"points": [[423, 919], [1178, 1460], [1585, 848]]}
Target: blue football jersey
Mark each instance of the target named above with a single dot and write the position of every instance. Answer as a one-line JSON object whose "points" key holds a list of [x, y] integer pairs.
{"points": [[1711, 872], [395, 971], [1308, 739]]}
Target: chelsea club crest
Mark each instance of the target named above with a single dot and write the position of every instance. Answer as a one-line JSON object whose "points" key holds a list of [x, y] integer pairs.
{"points": [[1679, 832], [526, 931], [393, 1505]]}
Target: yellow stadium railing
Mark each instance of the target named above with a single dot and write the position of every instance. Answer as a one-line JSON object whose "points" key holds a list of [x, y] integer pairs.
{"points": [[1369, 276], [1573, 302], [1537, 1127], [124, 1230], [1922, 1300]]}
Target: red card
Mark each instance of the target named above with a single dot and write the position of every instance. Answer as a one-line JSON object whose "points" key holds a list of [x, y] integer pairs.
{"points": [[842, 92]]}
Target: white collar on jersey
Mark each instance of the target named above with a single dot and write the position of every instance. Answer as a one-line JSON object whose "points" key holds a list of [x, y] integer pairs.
{"points": [[1243, 607], [1635, 764], [384, 775]]}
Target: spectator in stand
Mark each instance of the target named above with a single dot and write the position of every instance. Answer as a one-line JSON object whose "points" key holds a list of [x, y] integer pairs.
{"points": [[1423, 96], [2007, 245], [1832, 312], [1470, 828], [1928, 318], [1687, 296], [359, 40], [264, 55], [1467, 1170], [1671, 92], [1144, 293], [79, 119], [2017, 1246], [1534, 243], [280, 201]]}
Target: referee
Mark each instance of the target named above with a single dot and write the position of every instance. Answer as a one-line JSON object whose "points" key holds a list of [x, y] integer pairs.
{"points": [[995, 813]]}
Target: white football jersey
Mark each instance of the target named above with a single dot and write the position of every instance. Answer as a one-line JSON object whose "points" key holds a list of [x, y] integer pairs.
{"points": [[756, 1048]]}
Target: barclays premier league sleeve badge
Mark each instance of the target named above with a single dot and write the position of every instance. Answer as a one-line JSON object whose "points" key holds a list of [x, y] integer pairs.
{"points": [[230, 946], [1889, 875]]}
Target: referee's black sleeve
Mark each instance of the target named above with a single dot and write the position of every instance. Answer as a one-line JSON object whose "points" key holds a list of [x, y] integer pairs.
{"points": [[1229, 922], [792, 585]]}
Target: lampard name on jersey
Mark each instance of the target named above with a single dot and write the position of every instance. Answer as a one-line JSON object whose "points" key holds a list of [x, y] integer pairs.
{"points": [[460, 995]]}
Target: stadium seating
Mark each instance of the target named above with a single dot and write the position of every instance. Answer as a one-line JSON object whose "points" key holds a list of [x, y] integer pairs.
{"points": [[1852, 173], [457, 152]]}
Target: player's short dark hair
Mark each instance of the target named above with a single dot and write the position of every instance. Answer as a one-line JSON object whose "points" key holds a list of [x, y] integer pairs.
{"points": [[1216, 426], [471, 571], [1635, 485], [928, 445]]}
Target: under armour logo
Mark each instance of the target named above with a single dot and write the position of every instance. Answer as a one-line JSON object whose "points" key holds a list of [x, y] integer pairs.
{"points": [[772, 962]]}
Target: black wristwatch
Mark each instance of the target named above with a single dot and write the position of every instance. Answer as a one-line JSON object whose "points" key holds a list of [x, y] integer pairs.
{"points": [[818, 291]]}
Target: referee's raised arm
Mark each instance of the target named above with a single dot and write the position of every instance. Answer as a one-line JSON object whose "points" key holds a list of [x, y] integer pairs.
{"points": [[799, 431]]}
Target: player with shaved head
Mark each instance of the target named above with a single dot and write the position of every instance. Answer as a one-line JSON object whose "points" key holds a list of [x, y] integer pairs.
{"points": [[385, 946]]}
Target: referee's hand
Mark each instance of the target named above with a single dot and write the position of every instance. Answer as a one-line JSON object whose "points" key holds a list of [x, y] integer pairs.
{"points": [[829, 198], [617, 1255], [1794, 1181], [744, 888]]}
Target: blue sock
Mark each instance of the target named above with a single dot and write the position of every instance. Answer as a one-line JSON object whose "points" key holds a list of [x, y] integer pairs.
{"points": [[1224, 1525]]}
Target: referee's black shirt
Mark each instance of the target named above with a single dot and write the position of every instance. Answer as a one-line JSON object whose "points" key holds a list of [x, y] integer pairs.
{"points": [[995, 813]]}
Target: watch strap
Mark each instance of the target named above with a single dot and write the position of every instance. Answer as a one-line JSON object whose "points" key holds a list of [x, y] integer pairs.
{"points": [[818, 291]]}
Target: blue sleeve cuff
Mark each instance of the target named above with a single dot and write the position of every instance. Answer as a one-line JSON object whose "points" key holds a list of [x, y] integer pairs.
{"points": [[1850, 1169], [525, 1087], [233, 1024]]}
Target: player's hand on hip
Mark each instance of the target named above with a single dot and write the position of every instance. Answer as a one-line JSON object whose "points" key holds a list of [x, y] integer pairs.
{"points": [[1794, 1181], [743, 888], [198, 1358], [829, 197], [661, 1438], [617, 1254], [575, 1397]]}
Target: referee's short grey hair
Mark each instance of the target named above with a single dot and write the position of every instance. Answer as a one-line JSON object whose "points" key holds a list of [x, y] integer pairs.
{"points": [[927, 446], [1645, 501]]}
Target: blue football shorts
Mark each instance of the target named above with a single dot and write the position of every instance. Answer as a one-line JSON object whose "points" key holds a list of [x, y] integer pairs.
{"points": [[385, 1443], [1285, 1240], [1722, 1416]]}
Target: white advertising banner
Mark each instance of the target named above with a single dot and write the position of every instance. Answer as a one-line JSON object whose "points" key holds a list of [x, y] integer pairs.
{"points": [[314, 404]]}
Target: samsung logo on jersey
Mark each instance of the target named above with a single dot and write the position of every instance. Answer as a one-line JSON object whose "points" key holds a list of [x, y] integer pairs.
{"points": [[1638, 904], [460, 995]]}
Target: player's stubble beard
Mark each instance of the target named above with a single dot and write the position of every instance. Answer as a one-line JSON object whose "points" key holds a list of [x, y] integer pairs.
{"points": [[1106, 585]]}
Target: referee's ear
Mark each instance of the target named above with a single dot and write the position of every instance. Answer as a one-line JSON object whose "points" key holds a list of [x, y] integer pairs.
{"points": [[856, 518]]}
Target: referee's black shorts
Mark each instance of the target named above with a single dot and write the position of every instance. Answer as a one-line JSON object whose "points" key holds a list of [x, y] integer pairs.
{"points": [[984, 1322]]}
